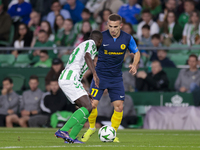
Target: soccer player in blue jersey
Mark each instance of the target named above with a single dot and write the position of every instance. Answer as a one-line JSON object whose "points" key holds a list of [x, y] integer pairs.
{"points": [[109, 64]]}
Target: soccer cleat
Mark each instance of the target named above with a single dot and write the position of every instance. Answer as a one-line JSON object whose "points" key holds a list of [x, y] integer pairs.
{"points": [[116, 140], [64, 135], [75, 141], [87, 135]]}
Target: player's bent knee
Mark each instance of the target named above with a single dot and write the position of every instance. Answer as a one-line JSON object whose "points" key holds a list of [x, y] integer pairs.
{"points": [[94, 106], [119, 108], [89, 108]]}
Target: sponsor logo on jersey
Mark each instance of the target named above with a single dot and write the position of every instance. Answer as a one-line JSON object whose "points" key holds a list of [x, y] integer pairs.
{"points": [[113, 53], [123, 46], [105, 44]]}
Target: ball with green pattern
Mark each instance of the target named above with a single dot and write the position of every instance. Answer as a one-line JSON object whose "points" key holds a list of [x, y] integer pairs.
{"points": [[107, 133]]}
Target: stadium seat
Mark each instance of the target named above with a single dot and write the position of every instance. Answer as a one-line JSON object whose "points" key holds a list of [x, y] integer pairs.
{"points": [[182, 49], [22, 61], [41, 78], [6, 60], [139, 123], [179, 59], [18, 81], [11, 37], [172, 74], [65, 59], [195, 51]]}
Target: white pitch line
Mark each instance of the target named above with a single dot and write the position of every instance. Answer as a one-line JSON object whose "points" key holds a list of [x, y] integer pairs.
{"points": [[117, 133], [82, 145]]}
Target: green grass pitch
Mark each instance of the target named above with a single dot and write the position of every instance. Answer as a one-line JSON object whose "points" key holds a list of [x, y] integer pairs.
{"points": [[130, 139]]}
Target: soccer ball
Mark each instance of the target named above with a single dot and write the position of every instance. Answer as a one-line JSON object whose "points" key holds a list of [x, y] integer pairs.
{"points": [[107, 134]]}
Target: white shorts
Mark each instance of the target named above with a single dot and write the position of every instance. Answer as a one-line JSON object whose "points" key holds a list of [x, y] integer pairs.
{"points": [[72, 89]]}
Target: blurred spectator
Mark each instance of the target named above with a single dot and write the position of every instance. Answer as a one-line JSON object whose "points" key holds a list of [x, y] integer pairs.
{"points": [[164, 60], [5, 4], [130, 11], [69, 35], [146, 37], [147, 19], [42, 42], [51, 102], [34, 23], [56, 10], [13, 2], [188, 79], [171, 31], [170, 5], [191, 32], [93, 5], [9, 100], [86, 16], [75, 7], [45, 25], [5, 24], [156, 42], [85, 33], [23, 38], [154, 6], [113, 5], [104, 20], [45, 61], [30, 104], [156, 80], [62, 2], [127, 27], [189, 7], [20, 11], [55, 71], [42, 6], [59, 29]]}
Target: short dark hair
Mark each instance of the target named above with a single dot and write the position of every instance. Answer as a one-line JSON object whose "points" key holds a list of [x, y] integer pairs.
{"points": [[8, 79], [195, 56], [155, 36], [107, 9], [69, 20], [49, 32], [146, 11], [96, 35], [190, 1], [115, 17], [53, 79], [146, 26], [34, 77], [86, 11], [55, 1], [44, 51]]}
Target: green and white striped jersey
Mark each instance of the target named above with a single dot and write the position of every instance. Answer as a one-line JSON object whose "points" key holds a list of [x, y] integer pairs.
{"points": [[76, 64]]}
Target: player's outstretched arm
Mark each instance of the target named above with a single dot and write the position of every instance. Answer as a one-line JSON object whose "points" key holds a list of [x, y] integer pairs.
{"points": [[133, 67], [90, 64]]}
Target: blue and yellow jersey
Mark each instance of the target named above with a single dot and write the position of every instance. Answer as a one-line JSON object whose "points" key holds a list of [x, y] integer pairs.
{"points": [[111, 54]]}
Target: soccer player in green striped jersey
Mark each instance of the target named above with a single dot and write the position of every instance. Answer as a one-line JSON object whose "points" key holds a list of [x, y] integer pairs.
{"points": [[70, 83]]}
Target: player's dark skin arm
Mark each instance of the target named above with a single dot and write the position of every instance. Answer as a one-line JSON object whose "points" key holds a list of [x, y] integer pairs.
{"points": [[90, 64]]}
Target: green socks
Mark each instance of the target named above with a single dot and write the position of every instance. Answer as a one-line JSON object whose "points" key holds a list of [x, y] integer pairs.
{"points": [[77, 128], [77, 120]]}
